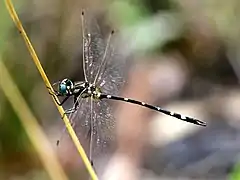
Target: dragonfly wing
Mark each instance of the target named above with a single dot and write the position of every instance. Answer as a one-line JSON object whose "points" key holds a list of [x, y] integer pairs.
{"points": [[101, 120], [113, 74], [105, 124], [94, 45]]}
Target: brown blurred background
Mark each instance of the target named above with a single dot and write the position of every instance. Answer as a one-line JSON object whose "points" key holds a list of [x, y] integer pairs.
{"points": [[184, 57]]}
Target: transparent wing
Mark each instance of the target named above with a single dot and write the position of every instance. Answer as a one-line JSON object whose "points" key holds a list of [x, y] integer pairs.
{"points": [[113, 74], [115, 65], [94, 45], [103, 124], [81, 119]]}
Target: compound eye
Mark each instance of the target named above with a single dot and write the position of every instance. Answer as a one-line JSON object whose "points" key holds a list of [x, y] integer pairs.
{"points": [[63, 88]]}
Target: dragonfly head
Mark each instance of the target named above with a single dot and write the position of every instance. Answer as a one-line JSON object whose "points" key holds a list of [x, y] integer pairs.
{"points": [[66, 87]]}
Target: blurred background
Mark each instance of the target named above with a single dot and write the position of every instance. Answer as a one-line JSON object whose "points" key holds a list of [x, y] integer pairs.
{"points": [[184, 57]]}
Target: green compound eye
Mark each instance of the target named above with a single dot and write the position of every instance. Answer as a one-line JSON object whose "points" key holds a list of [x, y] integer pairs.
{"points": [[63, 88]]}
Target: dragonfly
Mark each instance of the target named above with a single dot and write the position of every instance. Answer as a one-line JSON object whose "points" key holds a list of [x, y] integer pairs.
{"points": [[102, 80]]}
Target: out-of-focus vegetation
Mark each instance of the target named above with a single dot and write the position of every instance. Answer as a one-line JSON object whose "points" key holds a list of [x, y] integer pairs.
{"points": [[188, 54]]}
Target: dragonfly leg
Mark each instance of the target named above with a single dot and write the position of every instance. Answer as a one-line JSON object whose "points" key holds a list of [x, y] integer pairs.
{"points": [[55, 93], [69, 111]]}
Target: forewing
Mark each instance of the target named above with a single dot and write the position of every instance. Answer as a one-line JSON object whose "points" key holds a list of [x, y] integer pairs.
{"points": [[94, 45]]}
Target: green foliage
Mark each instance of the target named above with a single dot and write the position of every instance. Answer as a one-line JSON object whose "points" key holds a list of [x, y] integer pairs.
{"points": [[235, 175]]}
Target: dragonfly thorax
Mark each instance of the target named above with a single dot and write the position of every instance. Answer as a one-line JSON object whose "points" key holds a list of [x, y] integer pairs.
{"points": [[85, 89], [91, 90]]}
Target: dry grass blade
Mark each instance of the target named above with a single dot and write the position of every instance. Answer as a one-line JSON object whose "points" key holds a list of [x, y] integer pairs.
{"points": [[47, 83], [29, 122]]}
